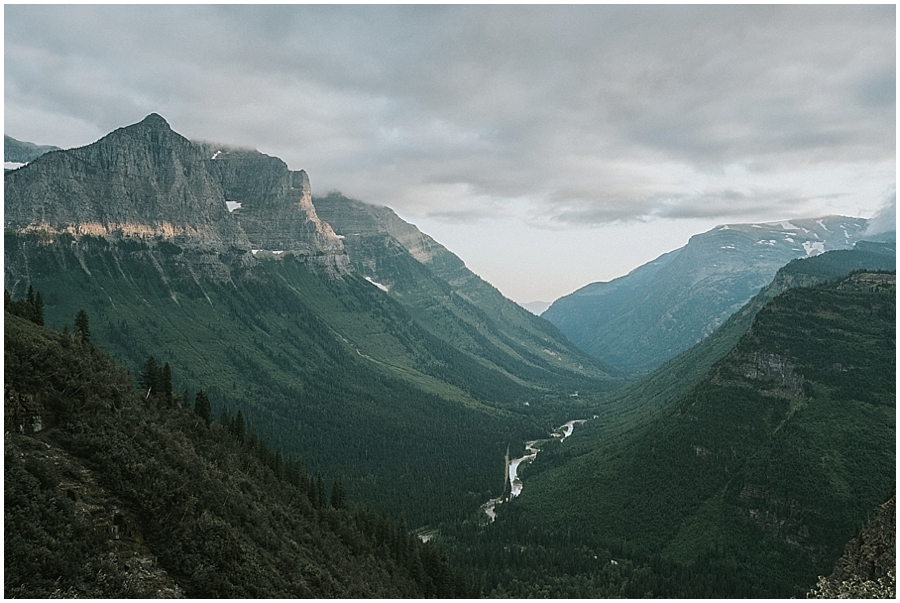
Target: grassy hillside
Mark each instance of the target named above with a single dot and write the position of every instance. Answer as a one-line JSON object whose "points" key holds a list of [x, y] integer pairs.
{"points": [[112, 494]]}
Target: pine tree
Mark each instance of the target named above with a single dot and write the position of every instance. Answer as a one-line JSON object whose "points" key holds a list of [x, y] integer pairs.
{"points": [[39, 309], [239, 426], [82, 326], [202, 407], [165, 384], [338, 495], [29, 303], [225, 418], [150, 377]]}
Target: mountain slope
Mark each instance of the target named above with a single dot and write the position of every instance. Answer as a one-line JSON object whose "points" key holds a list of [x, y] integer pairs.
{"points": [[453, 303], [260, 305], [647, 396], [109, 494], [765, 468], [637, 322]]}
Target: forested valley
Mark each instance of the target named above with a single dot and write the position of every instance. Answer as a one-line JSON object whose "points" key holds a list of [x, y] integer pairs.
{"points": [[206, 400], [113, 491]]}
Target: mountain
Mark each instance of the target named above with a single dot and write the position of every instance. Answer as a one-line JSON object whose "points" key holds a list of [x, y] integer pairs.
{"points": [[146, 181], [113, 494], [17, 151], [757, 474], [453, 303], [217, 261], [637, 322]]}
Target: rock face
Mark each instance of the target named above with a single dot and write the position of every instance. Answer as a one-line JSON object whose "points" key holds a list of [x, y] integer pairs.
{"points": [[273, 205], [638, 321], [148, 182]]}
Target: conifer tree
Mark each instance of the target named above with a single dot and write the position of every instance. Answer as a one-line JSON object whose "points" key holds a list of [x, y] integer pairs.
{"points": [[38, 309], [82, 326], [165, 384], [338, 495], [238, 428], [150, 377], [29, 303], [202, 407]]}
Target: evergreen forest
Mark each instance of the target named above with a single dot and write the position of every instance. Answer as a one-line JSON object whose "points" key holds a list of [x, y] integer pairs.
{"points": [[113, 491]]}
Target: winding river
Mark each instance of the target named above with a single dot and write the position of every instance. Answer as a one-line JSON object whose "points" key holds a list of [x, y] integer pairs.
{"points": [[531, 451]]}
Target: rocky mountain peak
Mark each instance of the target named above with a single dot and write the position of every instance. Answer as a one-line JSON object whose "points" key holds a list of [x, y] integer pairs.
{"points": [[155, 120], [147, 181]]}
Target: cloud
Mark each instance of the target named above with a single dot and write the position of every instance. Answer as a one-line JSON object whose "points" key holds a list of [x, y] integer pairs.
{"points": [[885, 219], [556, 114]]}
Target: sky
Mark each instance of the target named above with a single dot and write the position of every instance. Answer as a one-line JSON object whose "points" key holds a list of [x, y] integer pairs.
{"points": [[547, 146]]}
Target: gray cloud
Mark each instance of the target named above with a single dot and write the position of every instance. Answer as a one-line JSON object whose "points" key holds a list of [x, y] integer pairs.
{"points": [[574, 114], [885, 219]]}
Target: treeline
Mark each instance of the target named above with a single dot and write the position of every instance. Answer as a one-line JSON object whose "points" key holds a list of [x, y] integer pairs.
{"points": [[220, 512]]}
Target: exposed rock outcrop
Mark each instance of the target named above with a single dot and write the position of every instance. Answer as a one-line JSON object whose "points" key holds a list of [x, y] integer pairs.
{"points": [[149, 183]]}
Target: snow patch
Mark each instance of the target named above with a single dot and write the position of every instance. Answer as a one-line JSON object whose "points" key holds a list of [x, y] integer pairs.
{"points": [[232, 205], [813, 248], [767, 242], [217, 154], [787, 225], [379, 285], [254, 251], [727, 247], [339, 236], [12, 165], [822, 225], [725, 227], [756, 226], [789, 239], [278, 252]]}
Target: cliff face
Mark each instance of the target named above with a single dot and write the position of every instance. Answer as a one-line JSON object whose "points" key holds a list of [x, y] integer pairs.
{"points": [[147, 182], [273, 206]]}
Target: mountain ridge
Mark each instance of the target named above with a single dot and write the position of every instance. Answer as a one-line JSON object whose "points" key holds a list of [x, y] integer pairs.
{"points": [[149, 183], [637, 322]]}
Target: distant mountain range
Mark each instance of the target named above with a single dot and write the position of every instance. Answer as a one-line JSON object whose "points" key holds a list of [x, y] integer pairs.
{"points": [[16, 151], [637, 322]]}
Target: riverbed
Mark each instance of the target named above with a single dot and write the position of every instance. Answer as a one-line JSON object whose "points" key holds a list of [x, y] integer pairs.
{"points": [[531, 451]]}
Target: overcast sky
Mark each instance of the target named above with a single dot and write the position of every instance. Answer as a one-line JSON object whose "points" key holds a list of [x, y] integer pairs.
{"points": [[547, 146]]}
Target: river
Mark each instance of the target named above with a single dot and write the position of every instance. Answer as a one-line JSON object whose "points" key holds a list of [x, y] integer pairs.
{"points": [[531, 451]]}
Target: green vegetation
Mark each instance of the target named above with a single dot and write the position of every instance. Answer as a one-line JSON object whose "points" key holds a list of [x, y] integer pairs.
{"points": [[752, 481], [110, 493], [331, 370]]}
